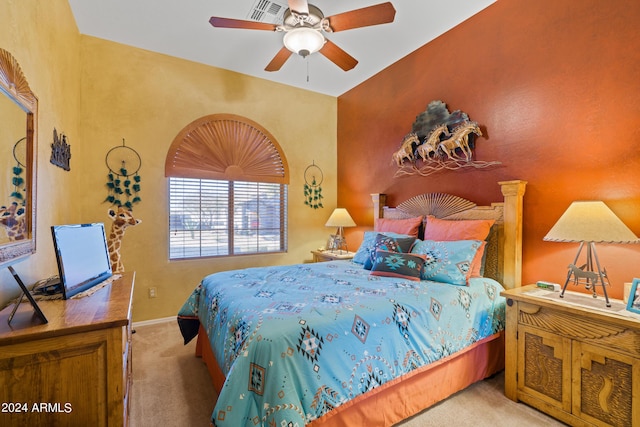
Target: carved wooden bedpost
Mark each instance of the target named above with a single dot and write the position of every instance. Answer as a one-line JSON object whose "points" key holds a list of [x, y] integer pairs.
{"points": [[379, 201], [513, 192]]}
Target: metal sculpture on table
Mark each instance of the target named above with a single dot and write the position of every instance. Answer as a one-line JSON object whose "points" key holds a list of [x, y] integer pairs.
{"points": [[585, 275], [439, 140]]}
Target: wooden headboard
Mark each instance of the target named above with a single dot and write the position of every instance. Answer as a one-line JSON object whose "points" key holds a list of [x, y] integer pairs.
{"points": [[504, 244]]}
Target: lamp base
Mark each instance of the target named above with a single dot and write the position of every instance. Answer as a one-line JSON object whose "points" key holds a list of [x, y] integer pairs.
{"points": [[337, 244], [586, 274]]}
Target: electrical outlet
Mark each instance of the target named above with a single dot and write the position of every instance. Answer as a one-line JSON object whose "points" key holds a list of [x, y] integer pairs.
{"points": [[153, 292]]}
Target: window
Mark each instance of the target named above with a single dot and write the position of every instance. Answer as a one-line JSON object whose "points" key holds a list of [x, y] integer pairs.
{"points": [[227, 190], [218, 218]]}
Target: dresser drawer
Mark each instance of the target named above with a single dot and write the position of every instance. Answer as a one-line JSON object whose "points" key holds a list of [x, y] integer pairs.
{"points": [[600, 332]]}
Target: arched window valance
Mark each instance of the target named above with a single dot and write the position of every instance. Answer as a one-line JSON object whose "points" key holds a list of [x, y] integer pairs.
{"points": [[227, 147]]}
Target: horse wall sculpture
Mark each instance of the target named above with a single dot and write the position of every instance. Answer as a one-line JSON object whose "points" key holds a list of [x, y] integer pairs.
{"points": [[406, 149], [431, 142], [446, 143], [460, 139]]}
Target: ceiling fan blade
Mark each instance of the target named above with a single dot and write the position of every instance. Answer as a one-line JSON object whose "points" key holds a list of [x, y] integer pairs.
{"points": [[372, 15], [238, 23], [299, 6], [338, 56], [278, 61]]}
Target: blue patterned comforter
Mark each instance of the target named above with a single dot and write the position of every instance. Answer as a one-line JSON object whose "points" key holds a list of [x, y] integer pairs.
{"points": [[294, 342]]}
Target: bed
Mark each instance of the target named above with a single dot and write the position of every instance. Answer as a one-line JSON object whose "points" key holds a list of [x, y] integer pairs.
{"points": [[370, 341]]}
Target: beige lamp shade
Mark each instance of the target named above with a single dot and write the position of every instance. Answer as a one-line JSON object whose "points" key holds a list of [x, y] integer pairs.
{"points": [[340, 218], [590, 221]]}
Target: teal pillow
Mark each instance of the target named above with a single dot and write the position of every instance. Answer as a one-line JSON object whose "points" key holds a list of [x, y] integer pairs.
{"points": [[447, 262], [395, 264], [364, 251], [388, 243]]}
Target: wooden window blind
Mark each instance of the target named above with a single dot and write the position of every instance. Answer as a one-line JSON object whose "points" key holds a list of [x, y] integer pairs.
{"points": [[229, 147]]}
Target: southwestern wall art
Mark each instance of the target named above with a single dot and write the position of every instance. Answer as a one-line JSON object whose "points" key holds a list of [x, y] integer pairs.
{"points": [[439, 141], [60, 151]]}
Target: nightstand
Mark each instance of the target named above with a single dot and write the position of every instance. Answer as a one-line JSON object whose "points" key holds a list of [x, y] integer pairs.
{"points": [[573, 358], [323, 256]]}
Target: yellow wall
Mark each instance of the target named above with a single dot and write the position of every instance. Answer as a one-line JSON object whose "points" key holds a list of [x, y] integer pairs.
{"points": [[122, 92]]}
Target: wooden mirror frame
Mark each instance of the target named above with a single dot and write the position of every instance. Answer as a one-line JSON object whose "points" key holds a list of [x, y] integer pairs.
{"points": [[14, 85]]}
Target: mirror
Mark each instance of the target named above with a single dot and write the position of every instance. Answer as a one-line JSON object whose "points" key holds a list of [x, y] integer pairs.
{"points": [[18, 108]]}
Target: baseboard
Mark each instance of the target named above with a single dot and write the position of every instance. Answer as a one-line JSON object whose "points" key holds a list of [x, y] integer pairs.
{"points": [[154, 321]]}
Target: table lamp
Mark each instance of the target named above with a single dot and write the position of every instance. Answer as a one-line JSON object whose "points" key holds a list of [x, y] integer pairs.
{"points": [[589, 222], [340, 218]]}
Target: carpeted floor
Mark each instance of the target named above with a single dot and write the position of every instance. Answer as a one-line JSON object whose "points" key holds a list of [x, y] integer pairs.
{"points": [[171, 387]]}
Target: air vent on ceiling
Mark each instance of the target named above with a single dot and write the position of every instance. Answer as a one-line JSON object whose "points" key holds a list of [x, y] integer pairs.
{"points": [[268, 11]]}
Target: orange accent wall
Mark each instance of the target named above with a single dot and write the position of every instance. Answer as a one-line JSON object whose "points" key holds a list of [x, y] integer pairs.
{"points": [[555, 86]]}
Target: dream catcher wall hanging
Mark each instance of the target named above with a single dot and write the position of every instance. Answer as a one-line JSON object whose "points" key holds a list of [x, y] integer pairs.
{"points": [[123, 181], [313, 178], [19, 183]]}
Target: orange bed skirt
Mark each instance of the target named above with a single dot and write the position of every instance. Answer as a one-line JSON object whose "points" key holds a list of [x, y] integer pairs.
{"points": [[402, 397]]}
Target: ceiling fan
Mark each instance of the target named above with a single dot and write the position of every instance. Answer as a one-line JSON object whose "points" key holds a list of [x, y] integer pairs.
{"points": [[304, 25]]}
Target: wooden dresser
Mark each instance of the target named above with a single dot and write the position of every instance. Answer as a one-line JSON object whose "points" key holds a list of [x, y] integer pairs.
{"points": [[573, 358], [74, 370]]}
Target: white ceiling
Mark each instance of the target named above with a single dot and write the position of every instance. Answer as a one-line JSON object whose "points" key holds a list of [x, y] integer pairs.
{"points": [[182, 29]]}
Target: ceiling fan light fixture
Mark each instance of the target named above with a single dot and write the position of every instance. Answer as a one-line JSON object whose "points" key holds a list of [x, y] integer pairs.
{"points": [[303, 40]]}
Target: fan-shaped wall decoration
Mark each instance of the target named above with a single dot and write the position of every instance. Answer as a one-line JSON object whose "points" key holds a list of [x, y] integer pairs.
{"points": [[13, 78], [439, 205], [227, 147]]}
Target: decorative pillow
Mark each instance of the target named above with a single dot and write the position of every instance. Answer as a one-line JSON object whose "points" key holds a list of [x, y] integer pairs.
{"points": [[364, 251], [447, 262], [468, 229], [394, 264], [391, 244], [409, 226], [447, 230], [477, 265]]}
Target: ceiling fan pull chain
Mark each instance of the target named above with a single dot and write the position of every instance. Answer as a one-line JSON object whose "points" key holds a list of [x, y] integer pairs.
{"points": [[307, 70]]}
